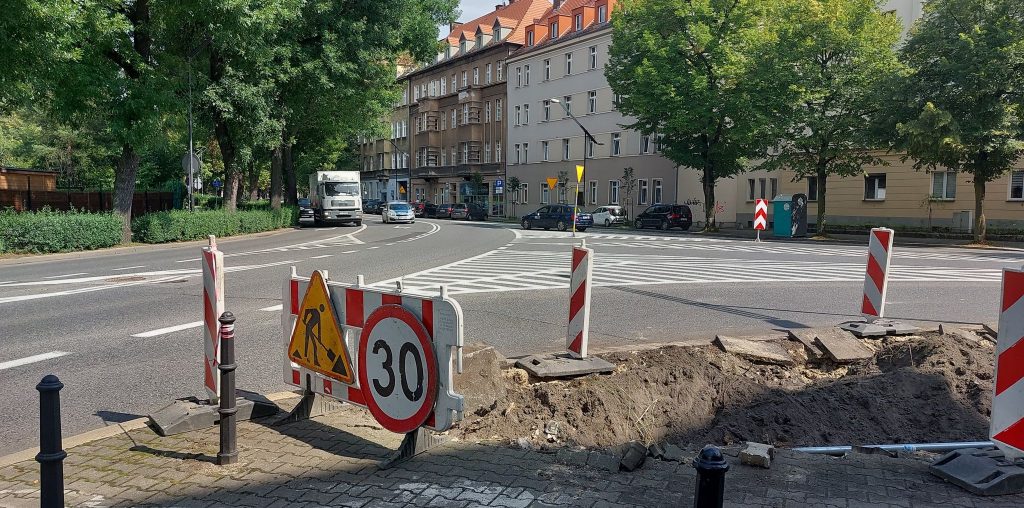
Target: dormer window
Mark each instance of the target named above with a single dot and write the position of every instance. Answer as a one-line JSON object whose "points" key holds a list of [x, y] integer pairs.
{"points": [[579, 22], [602, 14], [462, 46], [554, 30], [529, 38], [448, 52]]}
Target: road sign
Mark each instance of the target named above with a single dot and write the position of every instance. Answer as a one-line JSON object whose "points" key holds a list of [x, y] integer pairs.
{"points": [[760, 214], [1007, 428], [579, 301], [499, 186], [579, 173], [195, 162], [213, 307], [552, 182], [317, 341], [398, 370], [876, 279], [216, 183]]}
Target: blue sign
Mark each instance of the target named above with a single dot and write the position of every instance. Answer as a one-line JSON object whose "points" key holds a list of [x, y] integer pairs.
{"points": [[499, 183], [216, 183]]}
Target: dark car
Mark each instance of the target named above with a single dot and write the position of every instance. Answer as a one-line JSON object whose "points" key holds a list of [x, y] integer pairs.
{"points": [[430, 210], [476, 212], [559, 217], [443, 211], [419, 208], [372, 206], [306, 212], [665, 217], [460, 211]]}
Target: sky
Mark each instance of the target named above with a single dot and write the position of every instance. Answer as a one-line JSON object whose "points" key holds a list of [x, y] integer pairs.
{"points": [[471, 9]]}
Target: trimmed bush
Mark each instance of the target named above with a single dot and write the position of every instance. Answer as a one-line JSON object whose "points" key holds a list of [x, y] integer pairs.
{"points": [[57, 231], [182, 225]]}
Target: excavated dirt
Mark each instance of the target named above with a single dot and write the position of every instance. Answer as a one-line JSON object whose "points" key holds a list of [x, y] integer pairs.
{"points": [[927, 388]]}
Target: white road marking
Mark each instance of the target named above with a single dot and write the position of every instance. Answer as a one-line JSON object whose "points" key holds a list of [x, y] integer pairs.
{"points": [[371, 248], [272, 308], [169, 329], [8, 281], [350, 252], [322, 256], [66, 275], [127, 268], [192, 260], [32, 359]]}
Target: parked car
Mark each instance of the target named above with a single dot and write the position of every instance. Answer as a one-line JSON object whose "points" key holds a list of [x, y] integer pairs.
{"points": [[608, 215], [460, 211], [306, 212], [665, 217], [430, 210], [371, 206], [398, 211], [476, 212], [444, 211], [559, 217], [419, 207]]}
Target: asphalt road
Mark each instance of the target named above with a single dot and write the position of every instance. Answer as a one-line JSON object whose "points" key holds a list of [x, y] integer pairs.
{"points": [[118, 326]]}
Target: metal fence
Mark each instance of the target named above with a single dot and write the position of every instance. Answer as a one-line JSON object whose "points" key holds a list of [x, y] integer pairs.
{"points": [[96, 201]]}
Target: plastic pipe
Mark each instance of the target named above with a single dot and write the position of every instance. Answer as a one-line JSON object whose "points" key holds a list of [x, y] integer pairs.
{"points": [[914, 447]]}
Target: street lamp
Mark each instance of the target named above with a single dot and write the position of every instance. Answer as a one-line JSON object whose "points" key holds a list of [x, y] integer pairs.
{"points": [[587, 136]]}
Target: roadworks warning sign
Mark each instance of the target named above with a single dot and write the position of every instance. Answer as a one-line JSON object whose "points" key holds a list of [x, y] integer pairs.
{"points": [[317, 340]]}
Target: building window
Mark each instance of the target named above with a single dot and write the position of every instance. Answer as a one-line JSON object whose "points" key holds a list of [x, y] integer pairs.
{"points": [[465, 153], [465, 81], [616, 100], [487, 152], [944, 185], [593, 57], [529, 38], [554, 30], [579, 22], [750, 189], [465, 114], [526, 114], [455, 84], [874, 187], [590, 148], [487, 112], [497, 110], [568, 64], [518, 160], [526, 153], [547, 110], [593, 192], [567, 102], [444, 122], [497, 151], [444, 83], [602, 14], [642, 191], [501, 68], [645, 143], [545, 193], [565, 149], [812, 188], [616, 146], [487, 74], [455, 121], [476, 75], [1016, 185], [524, 193], [518, 116], [519, 76], [547, 69], [415, 94], [775, 187], [462, 46], [526, 75], [444, 158], [613, 192], [762, 184], [544, 149], [592, 101], [658, 191]]}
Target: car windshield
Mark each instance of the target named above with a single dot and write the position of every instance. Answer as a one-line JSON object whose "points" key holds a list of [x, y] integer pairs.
{"points": [[460, 206], [401, 207], [614, 211], [341, 188], [303, 202]]}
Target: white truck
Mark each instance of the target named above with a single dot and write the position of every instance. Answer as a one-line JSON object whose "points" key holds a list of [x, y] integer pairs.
{"points": [[335, 197]]}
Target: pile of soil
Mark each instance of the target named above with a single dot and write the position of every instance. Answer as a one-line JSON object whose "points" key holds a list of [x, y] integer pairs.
{"points": [[927, 388]]}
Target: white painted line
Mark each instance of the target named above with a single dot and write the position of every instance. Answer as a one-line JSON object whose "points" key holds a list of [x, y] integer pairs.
{"points": [[188, 260], [169, 329], [8, 281], [66, 275], [127, 268], [321, 257], [350, 252], [371, 248], [32, 359], [272, 308]]}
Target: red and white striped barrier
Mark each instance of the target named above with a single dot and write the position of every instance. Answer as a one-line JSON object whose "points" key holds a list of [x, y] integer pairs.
{"points": [[760, 214], [213, 307], [578, 334], [876, 279], [1007, 428], [389, 376]]}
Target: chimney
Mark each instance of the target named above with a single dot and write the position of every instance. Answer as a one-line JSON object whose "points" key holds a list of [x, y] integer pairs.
{"points": [[453, 26]]}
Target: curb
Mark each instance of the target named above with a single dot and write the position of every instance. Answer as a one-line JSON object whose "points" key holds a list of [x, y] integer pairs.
{"points": [[106, 432]]}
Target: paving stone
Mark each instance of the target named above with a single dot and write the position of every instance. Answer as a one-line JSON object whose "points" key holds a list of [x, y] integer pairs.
{"points": [[763, 351], [757, 454]]}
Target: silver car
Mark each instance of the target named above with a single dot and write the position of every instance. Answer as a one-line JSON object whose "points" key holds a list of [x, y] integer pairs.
{"points": [[608, 215], [460, 211], [398, 211]]}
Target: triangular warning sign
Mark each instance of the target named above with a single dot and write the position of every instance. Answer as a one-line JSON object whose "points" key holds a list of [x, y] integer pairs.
{"points": [[317, 341]]}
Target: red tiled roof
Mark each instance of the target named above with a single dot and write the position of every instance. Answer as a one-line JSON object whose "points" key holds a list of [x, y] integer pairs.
{"points": [[516, 16]]}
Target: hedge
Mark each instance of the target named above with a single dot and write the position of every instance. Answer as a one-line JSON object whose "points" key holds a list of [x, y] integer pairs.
{"points": [[58, 231], [181, 225]]}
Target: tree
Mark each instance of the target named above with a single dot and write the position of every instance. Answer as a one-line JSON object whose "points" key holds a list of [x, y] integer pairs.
{"points": [[840, 52], [629, 184], [512, 187], [562, 184], [703, 76], [959, 106]]}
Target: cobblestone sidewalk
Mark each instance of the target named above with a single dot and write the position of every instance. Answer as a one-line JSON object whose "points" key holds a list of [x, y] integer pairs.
{"points": [[332, 461]]}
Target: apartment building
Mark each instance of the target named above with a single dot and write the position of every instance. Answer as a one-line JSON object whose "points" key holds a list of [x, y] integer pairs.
{"points": [[458, 108], [385, 161]]}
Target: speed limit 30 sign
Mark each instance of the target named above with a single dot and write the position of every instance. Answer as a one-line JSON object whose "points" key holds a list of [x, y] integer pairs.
{"points": [[403, 348]]}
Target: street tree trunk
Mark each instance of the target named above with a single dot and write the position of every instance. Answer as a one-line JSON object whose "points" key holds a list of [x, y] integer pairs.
{"points": [[254, 181], [822, 183], [125, 170], [224, 139], [979, 209], [288, 165], [275, 179], [708, 181]]}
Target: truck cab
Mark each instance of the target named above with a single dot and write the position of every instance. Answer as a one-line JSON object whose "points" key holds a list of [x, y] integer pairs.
{"points": [[335, 197]]}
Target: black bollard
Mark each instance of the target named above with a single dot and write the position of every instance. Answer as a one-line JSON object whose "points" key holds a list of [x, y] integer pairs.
{"points": [[711, 467], [228, 453], [51, 455]]}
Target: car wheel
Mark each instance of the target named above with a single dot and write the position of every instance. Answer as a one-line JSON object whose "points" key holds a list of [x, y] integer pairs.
{"points": [[664, 225], [526, 224], [638, 224], [561, 226], [581, 230], [607, 223], [359, 223]]}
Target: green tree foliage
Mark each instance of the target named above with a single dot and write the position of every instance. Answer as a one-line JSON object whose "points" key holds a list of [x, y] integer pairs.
{"points": [[840, 52], [703, 74], [959, 107]]}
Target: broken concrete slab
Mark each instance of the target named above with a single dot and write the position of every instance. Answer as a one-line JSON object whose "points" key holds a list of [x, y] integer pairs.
{"points": [[757, 351], [861, 329], [186, 415], [757, 454], [549, 366], [633, 457], [841, 346], [897, 327], [947, 329], [806, 337]]}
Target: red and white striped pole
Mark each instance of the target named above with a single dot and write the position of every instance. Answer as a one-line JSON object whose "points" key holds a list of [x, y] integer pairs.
{"points": [[213, 307], [1007, 428], [876, 279], [579, 301], [760, 216]]}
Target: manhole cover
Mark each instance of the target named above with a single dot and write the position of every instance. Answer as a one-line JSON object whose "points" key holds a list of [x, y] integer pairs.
{"points": [[127, 278]]}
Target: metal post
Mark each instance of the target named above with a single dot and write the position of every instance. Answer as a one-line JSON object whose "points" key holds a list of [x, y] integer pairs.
{"points": [[228, 453], [51, 455], [711, 468]]}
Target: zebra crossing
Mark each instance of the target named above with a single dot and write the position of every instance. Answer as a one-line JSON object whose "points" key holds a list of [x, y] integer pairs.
{"points": [[528, 270]]}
